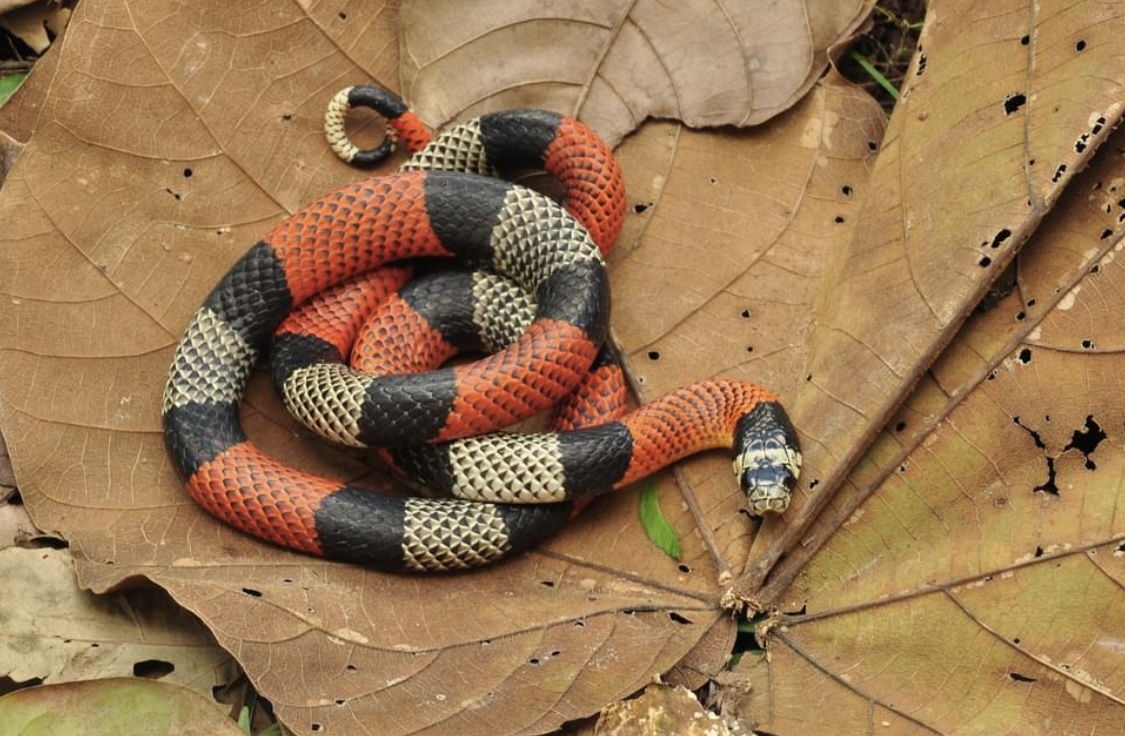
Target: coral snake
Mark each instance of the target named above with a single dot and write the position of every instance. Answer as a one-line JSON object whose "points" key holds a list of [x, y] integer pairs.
{"points": [[446, 202]]}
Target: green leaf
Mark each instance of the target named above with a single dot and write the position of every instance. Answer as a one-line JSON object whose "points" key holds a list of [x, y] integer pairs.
{"points": [[659, 531], [8, 85], [874, 73]]}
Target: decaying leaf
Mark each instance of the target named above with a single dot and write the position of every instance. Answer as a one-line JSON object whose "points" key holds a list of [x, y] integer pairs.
{"points": [[615, 64], [1004, 105], [55, 633], [993, 526]]}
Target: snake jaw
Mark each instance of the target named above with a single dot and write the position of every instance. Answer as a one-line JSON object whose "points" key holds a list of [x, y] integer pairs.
{"points": [[768, 459]]}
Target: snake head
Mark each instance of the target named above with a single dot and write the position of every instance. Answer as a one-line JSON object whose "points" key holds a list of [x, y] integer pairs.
{"points": [[767, 458]]}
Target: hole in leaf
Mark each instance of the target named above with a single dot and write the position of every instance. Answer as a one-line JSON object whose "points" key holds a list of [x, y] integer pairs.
{"points": [[1025, 40], [745, 314], [640, 208], [1034, 435], [1080, 46], [685, 569], [839, 219], [985, 261], [1087, 344], [1025, 356], [900, 426], [1017, 677], [846, 190], [1058, 173], [187, 173], [252, 593], [1038, 552], [677, 618], [153, 669], [1048, 486], [654, 355], [1013, 103], [1001, 237], [1087, 440]]}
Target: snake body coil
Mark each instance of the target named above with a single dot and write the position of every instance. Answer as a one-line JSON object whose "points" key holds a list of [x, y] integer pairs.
{"points": [[427, 212]]}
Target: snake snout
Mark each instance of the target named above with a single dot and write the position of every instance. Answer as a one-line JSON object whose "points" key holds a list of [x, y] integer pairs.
{"points": [[768, 459], [768, 487]]}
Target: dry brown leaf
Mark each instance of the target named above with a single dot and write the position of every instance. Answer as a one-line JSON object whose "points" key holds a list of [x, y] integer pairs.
{"points": [[1003, 105], [616, 64], [995, 526], [55, 633]]}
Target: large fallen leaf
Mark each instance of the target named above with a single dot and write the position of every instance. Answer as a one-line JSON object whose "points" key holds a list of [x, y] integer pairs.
{"points": [[614, 64], [967, 577], [995, 526], [55, 633], [145, 180], [1005, 102]]}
